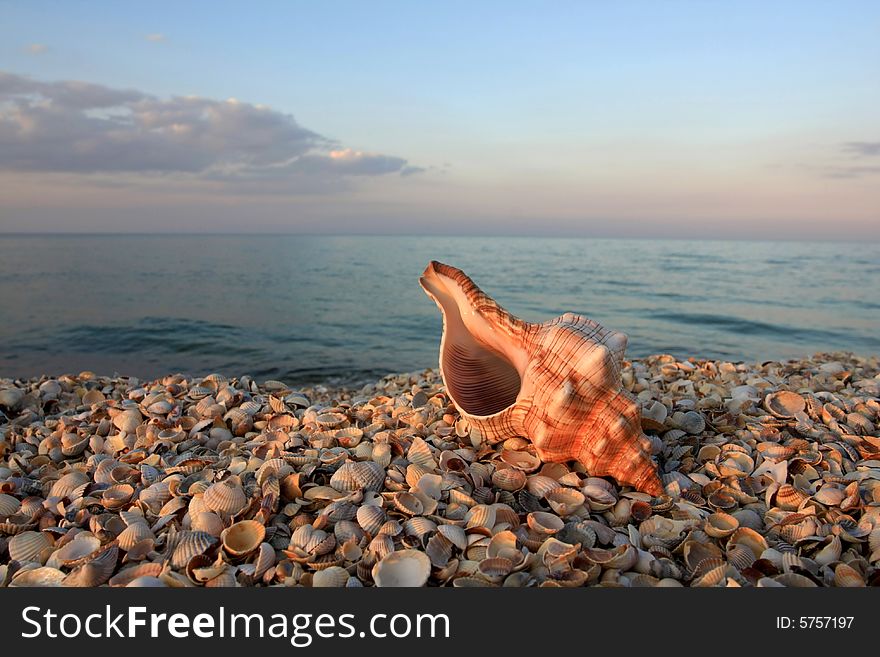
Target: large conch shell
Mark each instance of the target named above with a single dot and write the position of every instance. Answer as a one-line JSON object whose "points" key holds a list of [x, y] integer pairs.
{"points": [[556, 383]]}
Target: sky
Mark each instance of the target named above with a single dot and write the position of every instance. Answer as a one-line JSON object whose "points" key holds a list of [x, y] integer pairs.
{"points": [[659, 118]]}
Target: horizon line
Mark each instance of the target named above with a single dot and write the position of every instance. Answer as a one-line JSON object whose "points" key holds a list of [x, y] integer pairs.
{"points": [[666, 238]]}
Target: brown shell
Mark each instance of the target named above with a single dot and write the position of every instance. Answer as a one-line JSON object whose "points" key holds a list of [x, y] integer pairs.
{"points": [[557, 383]]}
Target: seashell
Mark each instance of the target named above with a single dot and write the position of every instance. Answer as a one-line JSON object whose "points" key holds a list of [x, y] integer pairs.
{"points": [[544, 523], [795, 580], [331, 420], [749, 538], [558, 382], [65, 486], [439, 550], [511, 479], [720, 524], [790, 498], [133, 535], [829, 553], [408, 503], [190, 544], [404, 568], [540, 486], [37, 577], [847, 576], [371, 518], [333, 577], [455, 534], [117, 496], [420, 453], [83, 545], [95, 571], [128, 420], [8, 505], [784, 403], [28, 545], [226, 497], [208, 522], [242, 538], [358, 475], [565, 501], [481, 515], [495, 568]]}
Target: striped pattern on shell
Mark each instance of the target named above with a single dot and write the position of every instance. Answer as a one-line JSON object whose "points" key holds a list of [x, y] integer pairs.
{"points": [[556, 383]]}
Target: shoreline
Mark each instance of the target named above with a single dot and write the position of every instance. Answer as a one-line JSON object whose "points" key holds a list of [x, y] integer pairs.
{"points": [[141, 479]]}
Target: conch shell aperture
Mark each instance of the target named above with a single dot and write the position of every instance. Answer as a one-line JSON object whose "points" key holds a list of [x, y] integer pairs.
{"points": [[556, 383]]}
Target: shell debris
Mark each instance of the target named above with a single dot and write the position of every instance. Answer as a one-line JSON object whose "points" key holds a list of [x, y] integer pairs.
{"points": [[770, 475]]}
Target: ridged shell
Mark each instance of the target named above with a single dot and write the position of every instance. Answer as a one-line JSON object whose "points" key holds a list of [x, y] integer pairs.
{"points": [[544, 523], [68, 483], [28, 545], [38, 577], [226, 497], [510, 479], [243, 537], [405, 568], [83, 545], [720, 524], [358, 475], [128, 420], [574, 407], [439, 550], [8, 505], [134, 534], [371, 518], [784, 404], [208, 522], [565, 501], [189, 544], [847, 576], [333, 577], [95, 571]]}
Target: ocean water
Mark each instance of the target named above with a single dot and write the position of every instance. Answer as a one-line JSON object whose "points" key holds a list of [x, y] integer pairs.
{"points": [[307, 309]]}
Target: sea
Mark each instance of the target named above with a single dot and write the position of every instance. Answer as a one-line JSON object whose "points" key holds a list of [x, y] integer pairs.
{"points": [[349, 309]]}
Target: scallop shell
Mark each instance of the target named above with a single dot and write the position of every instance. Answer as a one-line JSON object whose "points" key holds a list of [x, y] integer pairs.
{"points": [[207, 521], [189, 544], [8, 505], [28, 545], [95, 571], [358, 475], [405, 568], [65, 486], [558, 383], [38, 577], [83, 545], [133, 535], [847, 576], [333, 577], [128, 420], [784, 403], [544, 523], [565, 501], [720, 524], [371, 518], [511, 479], [243, 537], [226, 497]]}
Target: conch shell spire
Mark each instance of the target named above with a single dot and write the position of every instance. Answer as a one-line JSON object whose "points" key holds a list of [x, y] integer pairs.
{"points": [[556, 383]]}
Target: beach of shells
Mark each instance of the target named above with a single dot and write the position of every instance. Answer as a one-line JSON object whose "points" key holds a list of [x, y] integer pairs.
{"points": [[771, 473]]}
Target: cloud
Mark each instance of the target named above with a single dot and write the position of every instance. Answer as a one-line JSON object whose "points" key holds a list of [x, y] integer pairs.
{"points": [[83, 128], [36, 49], [156, 37], [863, 148]]}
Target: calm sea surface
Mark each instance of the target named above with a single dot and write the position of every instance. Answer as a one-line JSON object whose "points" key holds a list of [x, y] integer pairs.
{"points": [[304, 309]]}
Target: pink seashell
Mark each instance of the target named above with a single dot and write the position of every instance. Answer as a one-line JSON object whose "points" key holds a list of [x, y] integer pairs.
{"points": [[557, 383]]}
